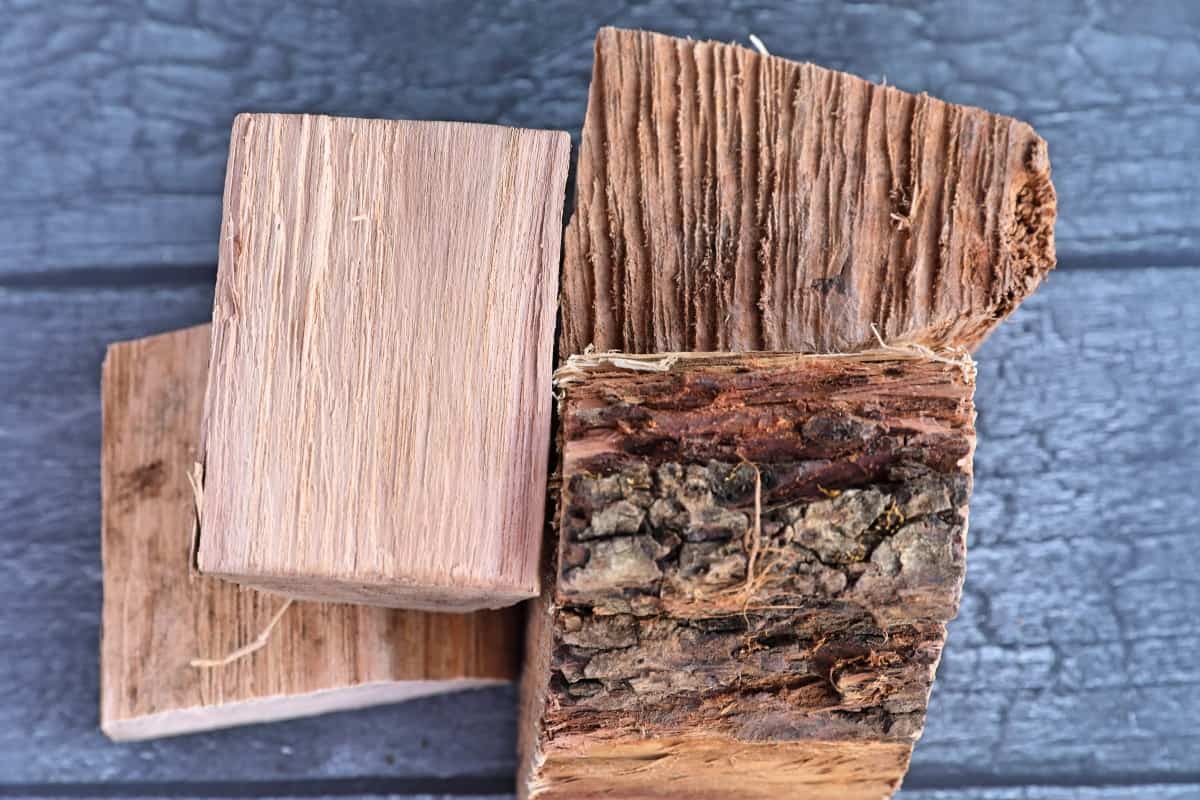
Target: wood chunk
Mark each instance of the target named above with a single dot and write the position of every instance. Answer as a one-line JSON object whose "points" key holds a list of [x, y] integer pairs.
{"points": [[378, 414], [757, 555], [732, 201], [159, 616]]}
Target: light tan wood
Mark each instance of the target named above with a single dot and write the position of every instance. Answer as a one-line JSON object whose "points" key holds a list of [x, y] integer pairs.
{"points": [[378, 408], [707, 767], [727, 200], [158, 616], [757, 555]]}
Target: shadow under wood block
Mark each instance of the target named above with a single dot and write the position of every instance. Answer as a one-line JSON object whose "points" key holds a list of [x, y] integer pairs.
{"points": [[728, 200], [757, 555], [159, 615], [378, 408]]}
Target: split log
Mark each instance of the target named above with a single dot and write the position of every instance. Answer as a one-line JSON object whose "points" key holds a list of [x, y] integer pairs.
{"points": [[158, 616], [733, 201], [377, 421], [757, 555]]}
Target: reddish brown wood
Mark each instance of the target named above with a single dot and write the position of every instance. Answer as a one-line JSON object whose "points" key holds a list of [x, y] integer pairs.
{"points": [[756, 559], [732, 201]]}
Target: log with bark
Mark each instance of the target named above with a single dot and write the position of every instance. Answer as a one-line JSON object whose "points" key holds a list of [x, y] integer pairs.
{"points": [[756, 558], [757, 554], [181, 652]]}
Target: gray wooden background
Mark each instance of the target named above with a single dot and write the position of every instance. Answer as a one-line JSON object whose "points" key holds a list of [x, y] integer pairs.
{"points": [[1074, 668]]}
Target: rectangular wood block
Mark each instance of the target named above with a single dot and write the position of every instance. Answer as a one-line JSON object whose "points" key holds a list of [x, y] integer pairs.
{"points": [[757, 555], [378, 407], [727, 200], [158, 616]]}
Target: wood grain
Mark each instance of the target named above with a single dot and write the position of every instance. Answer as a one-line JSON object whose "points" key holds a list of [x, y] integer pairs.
{"points": [[158, 616], [378, 410], [134, 181], [1038, 664], [732, 201], [757, 555]]}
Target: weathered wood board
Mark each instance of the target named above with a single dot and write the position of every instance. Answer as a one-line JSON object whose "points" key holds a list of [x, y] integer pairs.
{"points": [[732, 201], [1161, 791], [159, 616], [1164, 791], [377, 419]]}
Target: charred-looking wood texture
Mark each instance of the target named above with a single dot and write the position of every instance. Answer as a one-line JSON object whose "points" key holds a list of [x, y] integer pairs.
{"points": [[757, 557], [732, 201]]}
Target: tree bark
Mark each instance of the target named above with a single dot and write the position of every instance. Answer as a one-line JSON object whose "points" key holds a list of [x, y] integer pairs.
{"points": [[756, 558]]}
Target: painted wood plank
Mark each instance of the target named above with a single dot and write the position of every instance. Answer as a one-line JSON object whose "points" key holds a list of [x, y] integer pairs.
{"points": [[1075, 651], [1161, 791], [114, 142], [360, 790], [1076, 658]]}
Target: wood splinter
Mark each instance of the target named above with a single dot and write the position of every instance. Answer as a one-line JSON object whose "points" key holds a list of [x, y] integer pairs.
{"points": [[756, 558]]}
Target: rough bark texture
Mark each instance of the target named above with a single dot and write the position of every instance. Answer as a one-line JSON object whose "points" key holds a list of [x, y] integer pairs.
{"points": [[757, 556], [732, 201], [158, 616]]}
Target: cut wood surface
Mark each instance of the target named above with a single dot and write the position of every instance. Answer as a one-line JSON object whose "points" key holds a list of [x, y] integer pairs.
{"points": [[757, 555], [134, 179], [727, 200], [378, 411], [1077, 680], [1038, 667], [159, 617]]}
